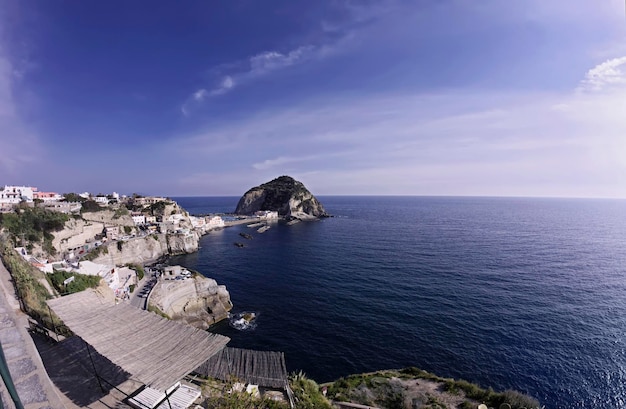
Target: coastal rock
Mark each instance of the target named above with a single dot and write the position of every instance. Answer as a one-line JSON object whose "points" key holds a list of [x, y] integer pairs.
{"points": [[147, 249], [285, 195], [197, 301]]}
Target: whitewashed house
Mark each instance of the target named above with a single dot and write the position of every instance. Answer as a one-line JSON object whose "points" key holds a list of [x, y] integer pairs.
{"points": [[15, 194], [139, 218], [214, 222]]}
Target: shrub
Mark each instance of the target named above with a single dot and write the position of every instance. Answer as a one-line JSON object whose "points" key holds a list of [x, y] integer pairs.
{"points": [[307, 393], [122, 211], [138, 269], [93, 254], [34, 224], [29, 289], [90, 206]]}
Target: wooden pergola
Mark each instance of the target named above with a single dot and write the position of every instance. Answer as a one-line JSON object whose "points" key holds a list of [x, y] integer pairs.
{"points": [[154, 350], [263, 368]]}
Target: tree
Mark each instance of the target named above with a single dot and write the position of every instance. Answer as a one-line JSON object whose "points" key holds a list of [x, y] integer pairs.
{"points": [[73, 197]]}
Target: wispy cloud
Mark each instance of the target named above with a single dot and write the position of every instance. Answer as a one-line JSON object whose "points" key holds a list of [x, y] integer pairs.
{"points": [[523, 143], [610, 73], [257, 66], [233, 74]]}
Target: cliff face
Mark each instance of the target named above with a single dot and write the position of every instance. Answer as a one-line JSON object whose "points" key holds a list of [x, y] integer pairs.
{"points": [[198, 301], [285, 195], [148, 249]]}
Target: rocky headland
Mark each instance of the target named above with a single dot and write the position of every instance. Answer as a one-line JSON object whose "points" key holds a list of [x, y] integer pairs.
{"points": [[197, 300], [290, 198]]}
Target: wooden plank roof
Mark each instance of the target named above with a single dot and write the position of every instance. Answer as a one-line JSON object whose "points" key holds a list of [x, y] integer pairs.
{"points": [[154, 350], [264, 368]]}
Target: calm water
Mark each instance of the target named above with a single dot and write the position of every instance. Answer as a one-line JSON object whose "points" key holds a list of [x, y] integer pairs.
{"points": [[528, 294]]}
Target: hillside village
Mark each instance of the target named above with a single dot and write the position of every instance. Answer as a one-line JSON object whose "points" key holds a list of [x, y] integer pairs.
{"points": [[98, 229]]}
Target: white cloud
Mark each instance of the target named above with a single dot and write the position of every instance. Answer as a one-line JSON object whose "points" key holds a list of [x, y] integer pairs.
{"points": [[268, 61], [226, 85], [200, 95], [610, 73], [256, 66], [524, 143]]}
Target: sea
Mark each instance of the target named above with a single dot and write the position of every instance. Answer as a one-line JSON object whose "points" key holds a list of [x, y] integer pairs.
{"points": [[510, 293]]}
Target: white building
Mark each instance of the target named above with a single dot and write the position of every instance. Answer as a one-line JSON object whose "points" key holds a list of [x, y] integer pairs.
{"points": [[197, 222], [139, 218], [151, 219], [214, 222], [15, 194], [101, 199], [175, 218]]}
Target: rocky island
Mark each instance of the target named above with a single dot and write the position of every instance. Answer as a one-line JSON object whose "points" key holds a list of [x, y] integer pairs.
{"points": [[285, 195]]}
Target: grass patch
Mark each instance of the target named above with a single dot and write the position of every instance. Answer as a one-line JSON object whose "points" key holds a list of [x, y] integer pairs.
{"points": [[80, 283], [158, 311]]}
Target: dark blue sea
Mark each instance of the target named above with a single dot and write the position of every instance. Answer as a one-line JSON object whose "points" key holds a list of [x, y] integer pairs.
{"points": [[520, 293]]}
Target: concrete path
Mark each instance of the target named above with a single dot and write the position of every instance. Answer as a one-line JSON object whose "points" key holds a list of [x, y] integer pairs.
{"points": [[29, 375]]}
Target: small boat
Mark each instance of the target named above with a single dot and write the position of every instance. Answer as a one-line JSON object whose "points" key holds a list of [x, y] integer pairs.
{"points": [[246, 236], [263, 229], [238, 244]]}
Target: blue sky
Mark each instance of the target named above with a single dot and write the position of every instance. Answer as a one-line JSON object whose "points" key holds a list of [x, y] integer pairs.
{"points": [[430, 97]]}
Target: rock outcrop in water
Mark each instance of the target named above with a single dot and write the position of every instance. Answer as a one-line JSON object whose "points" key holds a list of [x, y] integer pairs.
{"points": [[197, 301], [285, 195]]}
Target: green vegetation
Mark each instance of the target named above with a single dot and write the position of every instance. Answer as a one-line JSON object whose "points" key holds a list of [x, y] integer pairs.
{"points": [[382, 391], [158, 311], [90, 206], [138, 269], [93, 254], [158, 208], [307, 393], [29, 288], [122, 211], [80, 282], [120, 245], [73, 197], [33, 225], [131, 288], [128, 229]]}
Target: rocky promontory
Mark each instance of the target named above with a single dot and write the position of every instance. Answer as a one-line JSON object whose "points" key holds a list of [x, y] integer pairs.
{"points": [[197, 301], [285, 195]]}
